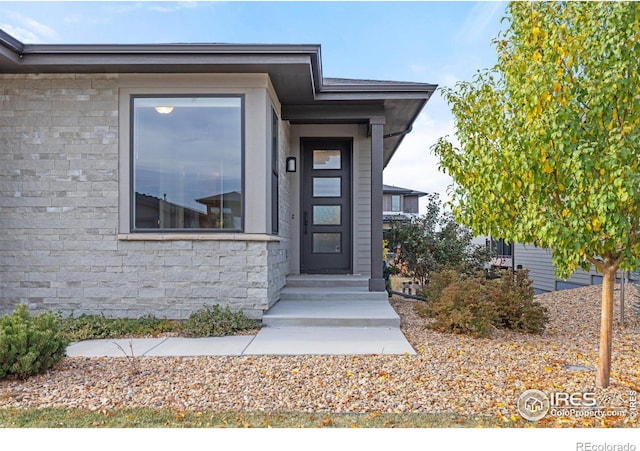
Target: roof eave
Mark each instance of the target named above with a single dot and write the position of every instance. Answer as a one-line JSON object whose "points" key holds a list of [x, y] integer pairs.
{"points": [[11, 43], [16, 57]]}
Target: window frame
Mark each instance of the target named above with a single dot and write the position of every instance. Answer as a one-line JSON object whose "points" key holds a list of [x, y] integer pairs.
{"points": [[131, 150], [275, 173]]}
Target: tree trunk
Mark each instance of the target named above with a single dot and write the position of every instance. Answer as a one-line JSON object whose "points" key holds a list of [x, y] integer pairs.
{"points": [[606, 321]]}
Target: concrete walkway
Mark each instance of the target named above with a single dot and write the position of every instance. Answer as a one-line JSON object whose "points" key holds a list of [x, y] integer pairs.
{"points": [[316, 315], [268, 341]]}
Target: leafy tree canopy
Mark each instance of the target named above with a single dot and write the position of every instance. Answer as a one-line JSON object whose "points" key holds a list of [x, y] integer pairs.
{"points": [[549, 136]]}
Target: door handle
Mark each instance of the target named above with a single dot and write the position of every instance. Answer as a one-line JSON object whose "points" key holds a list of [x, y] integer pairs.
{"points": [[305, 221]]}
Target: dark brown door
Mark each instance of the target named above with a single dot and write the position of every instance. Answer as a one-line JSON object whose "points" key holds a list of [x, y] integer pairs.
{"points": [[326, 206]]}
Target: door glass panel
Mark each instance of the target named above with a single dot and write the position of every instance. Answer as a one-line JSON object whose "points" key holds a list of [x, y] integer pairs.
{"points": [[326, 243], [326, 214], [326, 187], [326, 159]]}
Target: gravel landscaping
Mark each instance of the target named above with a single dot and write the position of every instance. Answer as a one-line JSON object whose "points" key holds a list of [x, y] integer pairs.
{"points": [[451, 373]]}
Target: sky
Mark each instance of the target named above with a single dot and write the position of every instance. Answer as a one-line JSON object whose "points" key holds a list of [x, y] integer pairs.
{"points": [[426, 42]]}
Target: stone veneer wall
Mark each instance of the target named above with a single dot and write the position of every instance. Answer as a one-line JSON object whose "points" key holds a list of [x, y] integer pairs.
{"points": [[278, 254], [59, 243]]}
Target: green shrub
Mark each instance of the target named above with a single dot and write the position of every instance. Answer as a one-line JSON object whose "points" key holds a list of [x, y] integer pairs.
{"points": [[87, 327], [474, 305], [215, 321], [437, 282], [516, 309], [29, 344], [463, 308]]}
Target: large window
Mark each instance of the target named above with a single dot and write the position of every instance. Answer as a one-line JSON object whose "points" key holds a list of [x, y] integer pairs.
{"points": [[187, 162]]}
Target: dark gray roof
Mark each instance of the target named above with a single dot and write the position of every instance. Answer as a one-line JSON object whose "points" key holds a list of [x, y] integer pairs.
{"points": [[295, 72], [390, 189]]}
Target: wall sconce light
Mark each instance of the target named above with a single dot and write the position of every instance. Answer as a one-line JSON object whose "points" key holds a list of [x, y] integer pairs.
{"points": [[164, 109], [291, 164]]}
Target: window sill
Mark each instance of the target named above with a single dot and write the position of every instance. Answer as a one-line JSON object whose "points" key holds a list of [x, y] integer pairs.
{"points": [[197, 237]]}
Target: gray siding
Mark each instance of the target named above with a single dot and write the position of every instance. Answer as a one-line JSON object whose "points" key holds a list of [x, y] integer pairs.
{"points": [[410, 204], [362, 204], [538, 262], [386, 202], [541, 271]]}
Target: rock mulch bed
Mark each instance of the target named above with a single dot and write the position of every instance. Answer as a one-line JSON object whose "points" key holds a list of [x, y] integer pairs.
{"points": [[451, 373]]}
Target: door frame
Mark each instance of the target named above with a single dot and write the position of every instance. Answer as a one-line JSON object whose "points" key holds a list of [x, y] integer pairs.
{"points": [[348, 142]]}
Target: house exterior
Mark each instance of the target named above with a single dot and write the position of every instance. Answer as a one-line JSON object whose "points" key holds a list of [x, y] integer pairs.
{"points": [[155, 179], [542, 273], [399, 204]]}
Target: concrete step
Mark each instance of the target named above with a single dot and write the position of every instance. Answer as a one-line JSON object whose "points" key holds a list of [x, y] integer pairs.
{"points": [[331, 313], [331, 294], [327, 281]]}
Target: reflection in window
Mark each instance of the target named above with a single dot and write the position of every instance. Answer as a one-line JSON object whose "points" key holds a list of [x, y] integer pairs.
{"points": [[326, 187], [326, 214], [187, 162], [326, 159], [326, 243]]}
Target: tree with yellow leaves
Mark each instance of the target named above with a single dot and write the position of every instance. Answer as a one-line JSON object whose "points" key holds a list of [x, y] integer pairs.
{"points": [[549, 141]]}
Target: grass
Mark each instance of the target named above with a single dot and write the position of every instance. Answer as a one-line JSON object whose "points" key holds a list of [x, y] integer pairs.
{"points": [[168, 418]]}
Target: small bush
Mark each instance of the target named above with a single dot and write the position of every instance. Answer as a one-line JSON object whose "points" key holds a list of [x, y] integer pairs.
{"points": [[463, 308], [29, 345], [438, 281], [215, 321], [87, 327], [474, 305], [516, 308]]}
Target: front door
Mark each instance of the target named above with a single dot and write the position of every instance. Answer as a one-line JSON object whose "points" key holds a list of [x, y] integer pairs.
{"points": [[326, 206]]}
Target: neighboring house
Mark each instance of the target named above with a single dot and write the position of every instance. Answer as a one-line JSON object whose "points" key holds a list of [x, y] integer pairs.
{"points": [[154, 179], [501, 251], [541, 271], [538, 261], [399, 204]]}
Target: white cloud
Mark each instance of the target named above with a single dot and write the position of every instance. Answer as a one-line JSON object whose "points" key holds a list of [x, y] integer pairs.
{"points": [[29, 30], [478, 19], [19, 33], [414, 166]]}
